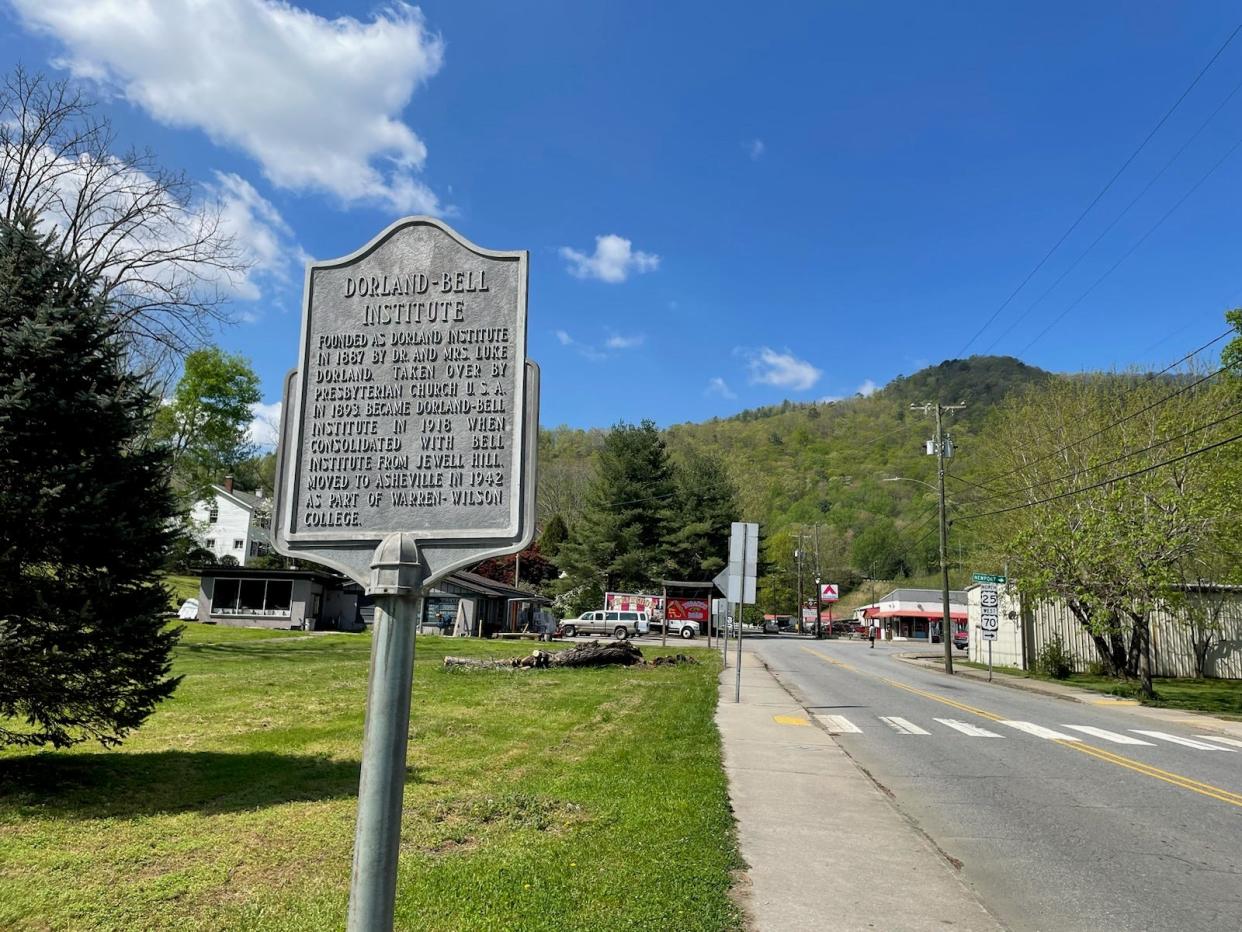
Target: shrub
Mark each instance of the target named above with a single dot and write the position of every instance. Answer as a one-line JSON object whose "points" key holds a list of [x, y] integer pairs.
{"points": [[1054, 659], [228, 560]]}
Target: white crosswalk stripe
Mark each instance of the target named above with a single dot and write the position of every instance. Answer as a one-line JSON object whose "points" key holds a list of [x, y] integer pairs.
{"points": [[974, 731], [1234, 741], [902, 726], [1176, 739], [1039, 731], [1114, 736], [839, 725]]}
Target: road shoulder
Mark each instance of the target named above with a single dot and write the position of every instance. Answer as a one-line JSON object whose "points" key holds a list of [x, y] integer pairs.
{"points": [[826, 848]]}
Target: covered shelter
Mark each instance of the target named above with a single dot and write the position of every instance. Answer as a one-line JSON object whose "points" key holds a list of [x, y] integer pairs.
{"points": [[691, 601]]}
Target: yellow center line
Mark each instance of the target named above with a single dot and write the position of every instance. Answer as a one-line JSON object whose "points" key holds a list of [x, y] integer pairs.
{"points": [[1186, 783]]}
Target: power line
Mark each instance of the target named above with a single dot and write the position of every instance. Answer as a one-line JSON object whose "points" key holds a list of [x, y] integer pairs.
{"points": [[1150, 377], [1156, 177], [1126, 164], [1101, 484], [1073, 474], [1107, 427], [1129, 252]]}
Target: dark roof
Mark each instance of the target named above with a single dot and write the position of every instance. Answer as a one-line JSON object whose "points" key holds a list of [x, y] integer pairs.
{"points": [[250, 499], [675, 584], [485, 586], [253, 572]]}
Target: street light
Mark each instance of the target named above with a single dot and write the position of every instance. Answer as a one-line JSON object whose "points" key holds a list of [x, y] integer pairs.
{"points": [[946, 624]]}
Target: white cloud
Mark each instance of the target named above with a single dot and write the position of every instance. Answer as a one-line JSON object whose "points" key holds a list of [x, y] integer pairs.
{"points": [[755, 149], [259, 233], [718, 386], [316, 102], [868, 388], [613, 261], [265, 427], [784, 370], [564, 338], [619, 342]]}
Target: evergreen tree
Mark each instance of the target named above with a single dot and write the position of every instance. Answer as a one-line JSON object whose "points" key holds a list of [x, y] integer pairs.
{"points": [[554, 534], [84, 512], [618, 543], [696, 541]]}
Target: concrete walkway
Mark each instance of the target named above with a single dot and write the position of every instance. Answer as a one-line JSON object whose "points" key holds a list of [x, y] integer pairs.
{"points": [[826, 849]]}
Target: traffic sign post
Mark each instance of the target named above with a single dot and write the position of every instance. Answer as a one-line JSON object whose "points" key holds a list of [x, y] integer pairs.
{"points": [[407, 451], [989, 616], [737, 582]]}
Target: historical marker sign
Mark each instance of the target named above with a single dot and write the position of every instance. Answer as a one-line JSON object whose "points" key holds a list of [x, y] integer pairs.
{"points": [[407, 450], [413, 408]]}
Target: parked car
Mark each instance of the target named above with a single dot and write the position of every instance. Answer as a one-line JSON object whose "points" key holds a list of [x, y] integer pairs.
{"points": [[620, 624], [961, 639], [842, 627]]}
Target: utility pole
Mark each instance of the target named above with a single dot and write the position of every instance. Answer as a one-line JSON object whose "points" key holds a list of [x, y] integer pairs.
{"points": [[798, 557], [946, 623], [819, 608]]}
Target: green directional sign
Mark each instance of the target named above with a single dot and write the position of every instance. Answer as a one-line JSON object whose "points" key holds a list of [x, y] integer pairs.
{"points": [[988, 578]]}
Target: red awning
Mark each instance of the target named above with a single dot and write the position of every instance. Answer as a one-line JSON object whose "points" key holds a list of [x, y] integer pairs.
{"points": [[956, 615]]}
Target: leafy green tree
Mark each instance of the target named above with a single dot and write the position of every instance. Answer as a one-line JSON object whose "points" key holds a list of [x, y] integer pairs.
{"points": [[1116, 495], [1231, 356], [205, 421], [84, 512], [618, 542], [879, 550], [696, 539]]}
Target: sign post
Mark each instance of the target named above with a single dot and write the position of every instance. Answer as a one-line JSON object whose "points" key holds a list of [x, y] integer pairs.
{"points": [[989, 611], [407, 451], [740, 582]]}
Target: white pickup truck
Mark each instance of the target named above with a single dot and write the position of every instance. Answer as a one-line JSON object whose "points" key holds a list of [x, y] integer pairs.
{"points": [[620, 624], [681, 629]]}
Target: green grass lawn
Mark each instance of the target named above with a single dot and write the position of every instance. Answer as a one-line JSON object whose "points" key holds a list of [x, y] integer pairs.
{"points": [[183, 587], [1222, 697], [557, 799]]}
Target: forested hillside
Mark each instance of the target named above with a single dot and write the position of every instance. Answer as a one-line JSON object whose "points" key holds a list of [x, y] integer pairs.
{"points": [[797, 466]]}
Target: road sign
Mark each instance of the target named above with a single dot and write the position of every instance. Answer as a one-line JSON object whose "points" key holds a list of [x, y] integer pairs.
{"points": [[829, 592], [988, 635], [743, 563], [989, 578]]}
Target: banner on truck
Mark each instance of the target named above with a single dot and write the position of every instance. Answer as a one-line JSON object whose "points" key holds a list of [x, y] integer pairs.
{"points": [[634, 602]]}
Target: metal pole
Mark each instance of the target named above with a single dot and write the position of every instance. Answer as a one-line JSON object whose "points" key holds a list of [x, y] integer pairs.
{"points": [[737, 691], [946, 636], [377, 838], [798, 556], [989, 661], [664, 626], [724, 640]]}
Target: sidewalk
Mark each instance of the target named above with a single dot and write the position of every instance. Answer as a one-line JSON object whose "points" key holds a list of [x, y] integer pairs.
{"points": [[823, 843], [1203, 721]]}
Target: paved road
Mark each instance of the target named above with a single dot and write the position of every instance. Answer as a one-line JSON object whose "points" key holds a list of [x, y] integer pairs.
{"points": [[1065, 816]]}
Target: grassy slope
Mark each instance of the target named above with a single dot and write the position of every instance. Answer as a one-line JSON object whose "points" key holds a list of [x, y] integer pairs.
{"points": [[1221, 697], [587, 799]]}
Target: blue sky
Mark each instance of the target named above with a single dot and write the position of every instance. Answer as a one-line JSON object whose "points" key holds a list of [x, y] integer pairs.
{"points": [[725, 206]]}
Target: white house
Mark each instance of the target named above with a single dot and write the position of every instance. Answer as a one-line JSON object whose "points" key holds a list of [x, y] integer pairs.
{"points": [[233, 523]]}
